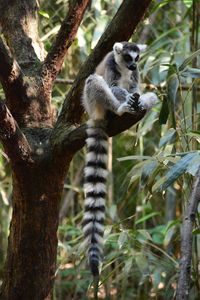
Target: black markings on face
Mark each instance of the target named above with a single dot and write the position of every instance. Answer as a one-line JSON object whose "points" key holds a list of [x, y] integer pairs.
{"points": [[137, 57], [127, 57]]}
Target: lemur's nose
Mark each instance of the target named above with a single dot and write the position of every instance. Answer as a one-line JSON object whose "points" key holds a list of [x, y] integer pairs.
{"points": [[132, 67]]}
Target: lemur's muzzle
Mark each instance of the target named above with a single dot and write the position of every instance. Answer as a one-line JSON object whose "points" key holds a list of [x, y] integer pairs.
{"points": [[132, 67]]}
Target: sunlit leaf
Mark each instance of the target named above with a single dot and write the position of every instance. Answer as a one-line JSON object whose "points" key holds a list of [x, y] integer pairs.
{"points": [[168, 236], [178, 169], [195, 135], [188, 3], [44, 14], [188, 60], [122, 239], [147, 171], [196, 231], [159, 183], [191, 72], [168, 137], [135, 157], [193, 165], [172, 224], [147, 217]]}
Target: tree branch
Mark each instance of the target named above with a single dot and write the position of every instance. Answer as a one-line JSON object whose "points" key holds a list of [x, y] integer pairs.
{"points": [[67, 139], [64, 39], [19, 21], [186, 241], [14, 141], [118, 30], [9, 69]]}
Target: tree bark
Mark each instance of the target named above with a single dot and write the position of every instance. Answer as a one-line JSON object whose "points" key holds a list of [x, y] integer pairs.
{"points": [[39, 151], [186, 241], [32, 246]]}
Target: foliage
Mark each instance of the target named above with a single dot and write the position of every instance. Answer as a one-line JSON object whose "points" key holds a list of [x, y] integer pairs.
{"points": [[153, 163]]}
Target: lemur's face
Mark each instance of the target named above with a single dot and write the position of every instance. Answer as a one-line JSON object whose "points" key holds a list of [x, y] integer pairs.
{"points": [[128, 54]]}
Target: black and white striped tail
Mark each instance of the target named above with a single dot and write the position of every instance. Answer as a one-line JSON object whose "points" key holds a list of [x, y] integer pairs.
{"points": [[95, 175]]}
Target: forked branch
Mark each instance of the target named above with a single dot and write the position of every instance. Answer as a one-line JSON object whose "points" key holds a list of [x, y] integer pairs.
{"points": [[14, 141], [9, 69], [64, 39]]}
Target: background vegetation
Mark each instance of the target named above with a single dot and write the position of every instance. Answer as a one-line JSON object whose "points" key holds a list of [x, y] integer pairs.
{"points": [[151, 165]]}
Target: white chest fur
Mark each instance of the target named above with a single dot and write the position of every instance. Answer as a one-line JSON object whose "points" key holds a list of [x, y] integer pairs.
{"points": [[125, 79]]}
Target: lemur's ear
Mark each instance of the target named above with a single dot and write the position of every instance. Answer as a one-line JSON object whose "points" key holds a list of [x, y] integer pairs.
{"points": [[142, 47], [118, 47]]}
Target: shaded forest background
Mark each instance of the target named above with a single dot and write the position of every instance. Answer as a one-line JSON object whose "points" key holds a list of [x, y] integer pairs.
{"points": [[151, 165]]}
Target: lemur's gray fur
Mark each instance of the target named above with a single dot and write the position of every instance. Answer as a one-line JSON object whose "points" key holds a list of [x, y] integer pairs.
{"points": [[114, 87]]}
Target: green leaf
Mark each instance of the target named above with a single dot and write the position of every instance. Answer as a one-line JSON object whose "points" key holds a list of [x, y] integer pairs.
{"points": [[169, 235], [122, 239], [188, 60], [196, 231], [133, 157], [160, 4], [147, 171], [146, 217], [128, 265], [194, 134], [178, 169], [193, 165], [142, 262], [191, 72], [44, 14], [168, 138], [145, 234], [172, 223], [164, 112], [172, 88], [158, 184], [188, 3]]}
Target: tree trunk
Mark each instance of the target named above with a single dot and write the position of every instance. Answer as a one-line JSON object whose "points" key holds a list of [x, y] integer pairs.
{"points": [[32, 249]]}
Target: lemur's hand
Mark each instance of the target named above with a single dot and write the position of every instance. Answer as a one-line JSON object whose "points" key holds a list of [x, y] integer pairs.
{"points": [[134, 101], [131, 105]]}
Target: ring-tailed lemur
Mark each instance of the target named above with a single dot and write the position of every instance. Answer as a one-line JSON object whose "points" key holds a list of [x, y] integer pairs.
{"points": [[114, 87]]}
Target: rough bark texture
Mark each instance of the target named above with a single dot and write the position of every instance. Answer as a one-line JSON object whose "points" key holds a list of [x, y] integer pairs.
{"points": [[39, 151], [186, 241]]}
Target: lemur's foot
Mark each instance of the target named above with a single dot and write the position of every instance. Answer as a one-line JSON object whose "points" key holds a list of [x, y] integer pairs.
{"points": [[134, 102], [147, 101], [130, 106]]}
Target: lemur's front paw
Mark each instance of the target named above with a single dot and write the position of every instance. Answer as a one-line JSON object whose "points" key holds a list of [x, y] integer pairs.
{"points": [[147, 101], [130, 106], [134, 101]]}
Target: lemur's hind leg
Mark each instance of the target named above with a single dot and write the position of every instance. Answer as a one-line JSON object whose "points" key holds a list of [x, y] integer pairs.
{"points": [[98, 97], [131, 105]]}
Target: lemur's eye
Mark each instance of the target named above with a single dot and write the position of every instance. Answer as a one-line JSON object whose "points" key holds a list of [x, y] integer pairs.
{"points": [[137, 58], [127, 57]]}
